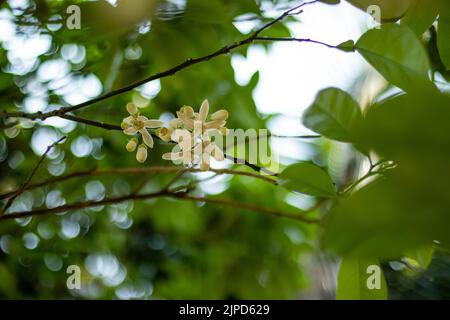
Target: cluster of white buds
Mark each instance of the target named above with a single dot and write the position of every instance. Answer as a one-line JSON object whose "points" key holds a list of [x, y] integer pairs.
{"points": [[135, 124], [193, 132]]}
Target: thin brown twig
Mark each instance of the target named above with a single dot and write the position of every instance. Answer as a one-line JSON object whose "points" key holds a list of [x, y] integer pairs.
{"points": [[33, 172], [137, 170], [247, 206], [163, 193], [307, 40], [93, 123], [78, 205]]}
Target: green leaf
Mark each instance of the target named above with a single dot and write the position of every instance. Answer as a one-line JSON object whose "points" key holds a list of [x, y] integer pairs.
{"points": [[277, 31], [396, 53], [420, 15], [307, 178], [333, 114], [391, 10], [376, 220], [405, 208], [332, 2], [347, 46], [443, 35], [361, 280]]}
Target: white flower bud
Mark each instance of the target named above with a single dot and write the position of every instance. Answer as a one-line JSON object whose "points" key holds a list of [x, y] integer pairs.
{"points": [[141, 154], [132, 144]]}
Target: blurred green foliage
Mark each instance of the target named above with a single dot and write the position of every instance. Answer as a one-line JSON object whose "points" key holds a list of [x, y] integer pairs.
{"points": [[165, 248]]}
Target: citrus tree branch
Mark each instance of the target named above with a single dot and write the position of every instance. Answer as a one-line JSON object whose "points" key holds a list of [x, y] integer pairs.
{"points": [[138, 170], [306, 40], [115, 127], [160, 194], [247, 206], [225, 149], [92, 123]]}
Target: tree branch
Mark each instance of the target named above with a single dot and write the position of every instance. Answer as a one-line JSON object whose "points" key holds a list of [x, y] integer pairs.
{"points": [[229, 157], [163, 193], [248, 206], [93, 123], [273, 39], [138, 170]]}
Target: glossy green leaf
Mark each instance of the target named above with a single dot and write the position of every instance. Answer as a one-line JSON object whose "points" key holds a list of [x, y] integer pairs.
{"points": [[421, 15], [333, 114], [406, 208], [396, 53], [347, 46], [332, 2], [361, 279], [307, 178], [443, 36], [391, 10]]}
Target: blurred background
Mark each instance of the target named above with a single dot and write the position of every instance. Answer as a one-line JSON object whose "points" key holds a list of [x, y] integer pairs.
{"points": [[163, 248]]}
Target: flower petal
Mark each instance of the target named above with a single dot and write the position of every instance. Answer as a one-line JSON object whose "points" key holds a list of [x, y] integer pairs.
{"points": [[130, 131], [204, 109], [164, 134], [188, 124], [132, 109], [152, 124], [216, 124], [176, 123], [181, 135], [127, 122], [224, 131], [220, 115], [129, 119], [147, 137], [187, 111]]}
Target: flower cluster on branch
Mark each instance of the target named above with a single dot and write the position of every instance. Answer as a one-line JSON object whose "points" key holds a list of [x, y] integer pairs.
{"points": [[195, 135]]}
